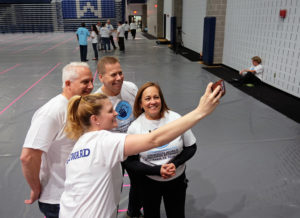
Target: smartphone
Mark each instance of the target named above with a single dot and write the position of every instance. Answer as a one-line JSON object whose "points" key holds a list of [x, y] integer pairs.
{"points": [[219, 83]]}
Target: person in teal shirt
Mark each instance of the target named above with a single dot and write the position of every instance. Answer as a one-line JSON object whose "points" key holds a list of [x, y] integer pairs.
{"points": [[82, 34]]}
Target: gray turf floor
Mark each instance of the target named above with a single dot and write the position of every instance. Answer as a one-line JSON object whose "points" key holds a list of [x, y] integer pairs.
{"points": [[248, 160]]}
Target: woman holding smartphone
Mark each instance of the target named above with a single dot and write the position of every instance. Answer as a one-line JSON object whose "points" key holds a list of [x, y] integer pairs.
{"points": [[93, 169]]}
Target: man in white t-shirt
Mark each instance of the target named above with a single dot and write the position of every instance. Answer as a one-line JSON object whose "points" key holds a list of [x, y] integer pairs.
{"points": [[121, 93], [133, 29], [120, 36], [46, 147], [253, 74], [98, 26], [111, 30], [127, 29]]}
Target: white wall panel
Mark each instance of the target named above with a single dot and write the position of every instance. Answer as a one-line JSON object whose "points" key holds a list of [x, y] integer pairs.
{"points": [[168, 11], [193, 13], [253, 27]]}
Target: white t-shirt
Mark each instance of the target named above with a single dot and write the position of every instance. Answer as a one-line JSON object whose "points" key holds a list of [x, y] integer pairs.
{"points": [[98, 28], [94, 176], [132, 26], [126, 27], [259, 69], [121, 31], [165, 153], [110, 28], [123, 105], [46, 133], [104, 32], [94, 37]]}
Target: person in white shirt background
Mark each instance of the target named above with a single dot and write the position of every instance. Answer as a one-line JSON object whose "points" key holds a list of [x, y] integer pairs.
{"points": [[104, 32], [253, 74], [133, 29], [162, 169], [127, 29], [100, 44], [46, 147], [111, 30], [120, 36], [94, 36], [93, 175]]}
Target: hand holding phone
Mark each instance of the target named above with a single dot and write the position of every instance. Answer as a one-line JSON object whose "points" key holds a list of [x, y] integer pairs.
{"points": [[219, 83]]}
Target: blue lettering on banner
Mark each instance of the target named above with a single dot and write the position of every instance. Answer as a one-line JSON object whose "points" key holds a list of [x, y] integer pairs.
{"points": [[79, 154], [124, 110]]}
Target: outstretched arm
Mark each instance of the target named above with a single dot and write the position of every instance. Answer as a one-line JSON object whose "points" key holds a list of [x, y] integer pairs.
{"points": [[31, 163], [135, 144]]}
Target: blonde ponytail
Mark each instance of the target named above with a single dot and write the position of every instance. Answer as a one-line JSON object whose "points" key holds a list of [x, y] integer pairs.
{"points": [[80, 109]]}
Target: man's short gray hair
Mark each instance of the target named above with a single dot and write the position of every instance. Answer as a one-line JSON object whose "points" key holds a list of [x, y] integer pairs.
{"points": [[69, 72]]}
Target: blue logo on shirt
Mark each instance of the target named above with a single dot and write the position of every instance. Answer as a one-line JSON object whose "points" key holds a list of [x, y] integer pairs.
{"points": [[163, 146], [124, 110]]}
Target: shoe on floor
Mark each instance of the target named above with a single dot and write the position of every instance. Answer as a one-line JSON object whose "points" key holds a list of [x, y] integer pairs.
{"points": [[95, 59]]}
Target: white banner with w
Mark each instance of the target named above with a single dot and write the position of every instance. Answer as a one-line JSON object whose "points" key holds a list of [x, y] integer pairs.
{"points": [[96, 12]]}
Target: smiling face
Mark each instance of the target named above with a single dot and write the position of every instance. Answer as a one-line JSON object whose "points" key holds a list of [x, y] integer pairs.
{"points": [[83, 84], [107, 116], [151, 103], [112, 79]]}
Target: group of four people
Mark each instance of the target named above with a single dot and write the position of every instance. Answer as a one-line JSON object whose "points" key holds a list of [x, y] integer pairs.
{"points": [[72, 153]]}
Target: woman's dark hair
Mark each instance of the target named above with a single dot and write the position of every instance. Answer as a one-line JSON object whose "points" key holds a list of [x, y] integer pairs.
{"points": [[138, 110], [95, 29]]}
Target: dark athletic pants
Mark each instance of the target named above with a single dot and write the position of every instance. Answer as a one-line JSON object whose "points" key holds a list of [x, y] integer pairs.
{"points": [[172, 192]]}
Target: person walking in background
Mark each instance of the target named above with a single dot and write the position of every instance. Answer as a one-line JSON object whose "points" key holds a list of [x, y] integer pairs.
{"points": [[46, 147], [126, 29], [104, 32], [120, 36], [82, 34], [133, 29], [100, 45], [160, 172], [94, 36], [111, 30]]}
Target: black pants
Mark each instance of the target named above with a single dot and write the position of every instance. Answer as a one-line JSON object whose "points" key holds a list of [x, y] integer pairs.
{"points": [[111, 38], [173, 193], [133, 32], [126, 35], [121, 44], [49, 210], [135, 198], [249, 78], [95, 50], [83, 52]]}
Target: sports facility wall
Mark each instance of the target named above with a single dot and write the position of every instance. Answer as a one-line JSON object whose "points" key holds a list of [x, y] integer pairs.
{"points": [[58, 15], [254, 27]]}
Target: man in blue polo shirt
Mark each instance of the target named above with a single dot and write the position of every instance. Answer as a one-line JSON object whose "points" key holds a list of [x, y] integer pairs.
{"points": [[82, 34]]}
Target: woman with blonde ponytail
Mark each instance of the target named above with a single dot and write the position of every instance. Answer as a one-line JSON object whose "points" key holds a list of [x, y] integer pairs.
{"points": [[93, 169]]}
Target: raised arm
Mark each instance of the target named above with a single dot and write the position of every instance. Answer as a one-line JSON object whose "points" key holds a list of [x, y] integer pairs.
{"points": [[135, 144]]}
